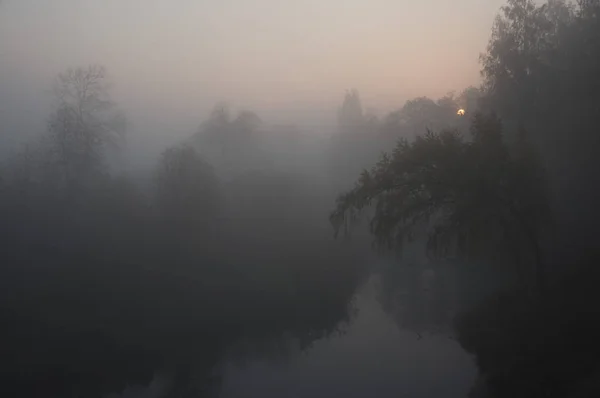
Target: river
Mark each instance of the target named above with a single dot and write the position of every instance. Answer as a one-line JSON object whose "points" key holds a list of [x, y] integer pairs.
{"points": [[375, 355]]}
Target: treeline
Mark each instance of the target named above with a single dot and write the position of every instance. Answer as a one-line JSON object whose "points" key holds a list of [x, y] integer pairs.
{"points": [[361, 136], [106, 281]]}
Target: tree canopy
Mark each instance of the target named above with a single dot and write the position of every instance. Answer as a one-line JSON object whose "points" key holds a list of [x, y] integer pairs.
{"points": [[187, 188], [540, 73], [471, 196]]}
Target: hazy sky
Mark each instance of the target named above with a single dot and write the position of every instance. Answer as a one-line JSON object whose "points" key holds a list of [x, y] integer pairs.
{"points": [[181, 56]]}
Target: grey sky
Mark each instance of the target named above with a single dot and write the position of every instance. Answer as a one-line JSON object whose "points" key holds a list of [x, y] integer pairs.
{"points": [[181, 56]]}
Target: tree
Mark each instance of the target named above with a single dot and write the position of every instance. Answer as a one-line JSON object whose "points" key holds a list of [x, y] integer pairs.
{"points": [[350, 115], [226, 132], [85, 124], [187, 189], [520, 52], [230, 143], [422, 113], [477, 198], [541, 74], [528, 58], [469, 99]]}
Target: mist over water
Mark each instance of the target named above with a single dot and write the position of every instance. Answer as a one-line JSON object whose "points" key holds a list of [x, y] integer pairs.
{"points": [[261, 198]]}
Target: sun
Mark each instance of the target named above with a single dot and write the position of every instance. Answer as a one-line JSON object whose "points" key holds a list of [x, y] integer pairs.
{"points": [[460, 112]]}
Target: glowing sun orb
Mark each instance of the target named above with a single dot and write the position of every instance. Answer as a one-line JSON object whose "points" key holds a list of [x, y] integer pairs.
{"points": [[460, 112]]}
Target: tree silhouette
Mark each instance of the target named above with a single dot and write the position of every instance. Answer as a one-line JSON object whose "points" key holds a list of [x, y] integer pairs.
{"points": [[187, 188], [350, 115], [85, 124], [476, 198], [541, 74]]}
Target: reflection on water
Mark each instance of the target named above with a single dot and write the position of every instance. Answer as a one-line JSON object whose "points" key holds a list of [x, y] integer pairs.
{"points": [[396, 341], [375, 357], [421, 299]]}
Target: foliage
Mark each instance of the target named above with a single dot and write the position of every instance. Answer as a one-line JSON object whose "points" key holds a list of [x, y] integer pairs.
{"points": [[522, 53], [360, 138], [476, 197], [541, 73], [226, 132], [187, 188], [426, 113], [469, 99], [230, 144]]}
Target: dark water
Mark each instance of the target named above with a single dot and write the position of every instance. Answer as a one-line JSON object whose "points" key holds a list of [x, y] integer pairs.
{"points": [[374, 358], [386, 350]]}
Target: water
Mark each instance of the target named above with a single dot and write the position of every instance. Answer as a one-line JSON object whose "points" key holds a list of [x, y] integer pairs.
{"points": [[375, 357], [398, 343]]}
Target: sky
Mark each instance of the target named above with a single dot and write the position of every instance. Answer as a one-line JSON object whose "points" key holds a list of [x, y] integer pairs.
{"points": [[171, 61]]}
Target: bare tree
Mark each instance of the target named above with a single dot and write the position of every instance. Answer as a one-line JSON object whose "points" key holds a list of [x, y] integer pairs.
{"points": [[86, 122]]}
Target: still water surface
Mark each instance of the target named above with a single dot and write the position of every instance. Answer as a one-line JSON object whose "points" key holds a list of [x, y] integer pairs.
{"points": [[378, 354], [375, 357]]}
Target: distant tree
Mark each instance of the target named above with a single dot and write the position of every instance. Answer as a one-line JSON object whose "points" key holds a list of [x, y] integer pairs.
{"points": [[419, 110], [476, 198], [354, 143], [223, 130], [369, 135], [350, 115], [469, 99], [187, 189], [216, 128], [247, 122], [230, 143], [448, 103], [422, 113], [85, 124]]}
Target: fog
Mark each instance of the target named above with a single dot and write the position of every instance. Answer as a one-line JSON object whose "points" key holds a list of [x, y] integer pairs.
{"points": [[312, 199], [287, 62]]}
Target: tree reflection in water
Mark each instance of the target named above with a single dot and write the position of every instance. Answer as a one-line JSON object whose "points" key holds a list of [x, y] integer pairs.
{"points": [[425, 296]]}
